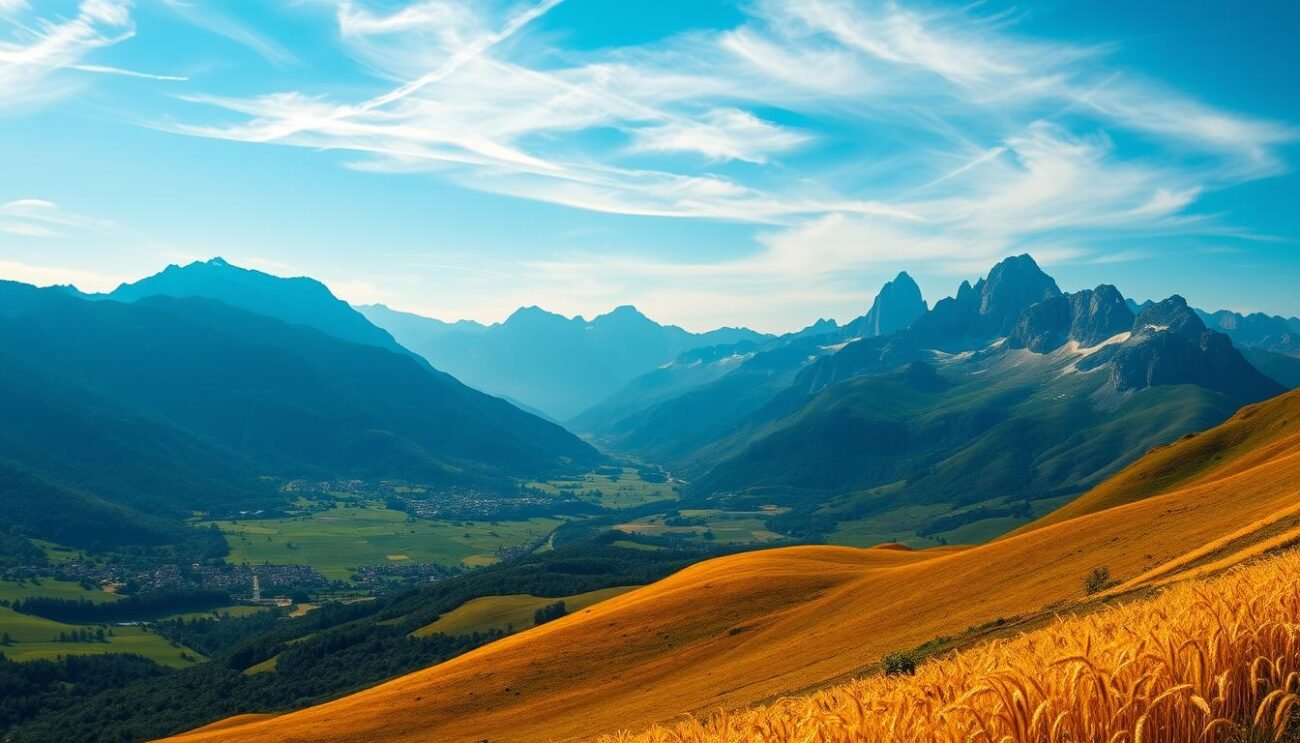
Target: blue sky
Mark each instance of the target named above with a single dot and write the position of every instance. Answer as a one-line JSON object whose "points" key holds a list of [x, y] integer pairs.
{"points": [[758, 162]]}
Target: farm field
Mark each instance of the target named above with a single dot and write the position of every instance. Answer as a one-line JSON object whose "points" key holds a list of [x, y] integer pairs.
{"points": [[725, 527], [625, 490], [234, 611], [338, 540], [53, 589], [57, 552], [513, 612], [36, 638]]}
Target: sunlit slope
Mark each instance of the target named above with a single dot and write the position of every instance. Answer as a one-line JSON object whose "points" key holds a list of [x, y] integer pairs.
{"points": [[1256, 434], [1209, 660], [742, 629]]}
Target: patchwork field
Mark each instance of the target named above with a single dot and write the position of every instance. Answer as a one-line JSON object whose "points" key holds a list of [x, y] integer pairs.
{"points": [[506, 613], [50, 588], [721, 527], [338, 540], [234, 612], [625, 490]]}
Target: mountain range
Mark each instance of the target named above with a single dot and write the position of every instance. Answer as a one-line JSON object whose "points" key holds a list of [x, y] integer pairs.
{"points": [[545, 361], [140, 413], [1009, 386]]}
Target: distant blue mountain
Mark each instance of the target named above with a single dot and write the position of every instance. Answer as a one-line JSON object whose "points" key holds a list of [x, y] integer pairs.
{"points": [[298, 301], [136, 414], [546, 361]]}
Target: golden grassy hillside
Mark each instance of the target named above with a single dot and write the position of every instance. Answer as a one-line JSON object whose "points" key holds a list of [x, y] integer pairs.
{"points": [[1213, 660], [743, 629]]}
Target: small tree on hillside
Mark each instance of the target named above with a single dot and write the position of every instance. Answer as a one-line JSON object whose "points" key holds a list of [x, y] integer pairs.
{"points": [[898, 664], [1098, 580]]}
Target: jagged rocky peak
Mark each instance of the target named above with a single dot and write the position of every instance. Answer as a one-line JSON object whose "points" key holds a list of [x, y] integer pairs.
{"points": [[1087, 317], [990, 309], [897, 306], [1170, 345], [1012, 286], [1171, 315]]}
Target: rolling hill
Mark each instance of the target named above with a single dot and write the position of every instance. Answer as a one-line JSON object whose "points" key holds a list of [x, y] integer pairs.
{"points": [[742, 629], [1188, 664]]}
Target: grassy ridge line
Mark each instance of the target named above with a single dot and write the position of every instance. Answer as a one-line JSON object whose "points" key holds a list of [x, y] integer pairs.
{"points": [[1256, 434], [1206, 660]]}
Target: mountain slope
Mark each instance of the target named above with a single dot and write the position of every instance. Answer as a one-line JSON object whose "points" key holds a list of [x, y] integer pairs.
{"points": [[1256, 330], [297, 301], [170, 405], [1073, 393], [558, 365], [1253, 436], [736, 630], [1048, 674], [705, 394]]}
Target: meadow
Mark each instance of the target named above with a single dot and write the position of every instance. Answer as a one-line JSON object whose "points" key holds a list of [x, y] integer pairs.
{"points": [[1214, 660], [36, 638], [49, 588], [624, 490], [899, 525], [337, 540], [718, 526], [509, 613]]}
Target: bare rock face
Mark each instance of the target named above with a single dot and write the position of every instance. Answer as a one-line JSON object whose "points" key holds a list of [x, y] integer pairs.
{"points": [[1170, 345], [897, 306], [1087, 317]]}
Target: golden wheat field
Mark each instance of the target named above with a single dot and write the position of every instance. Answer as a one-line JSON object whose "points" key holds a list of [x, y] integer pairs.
{"points": [[1206, 660]]}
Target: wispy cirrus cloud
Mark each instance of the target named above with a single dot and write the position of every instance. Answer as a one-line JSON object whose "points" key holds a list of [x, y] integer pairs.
{"points": [[37, 51], [844, 134], [33, 52], [40, 218], [473, 111], [208, 16]]}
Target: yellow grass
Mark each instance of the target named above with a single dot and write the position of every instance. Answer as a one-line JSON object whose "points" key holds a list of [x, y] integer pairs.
{"points": [[1205, 661], [744, 629]]}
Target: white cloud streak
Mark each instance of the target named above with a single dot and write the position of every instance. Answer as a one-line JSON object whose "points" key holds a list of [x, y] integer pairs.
{"points": [[36, 51], [201, 13], [850, 134]]}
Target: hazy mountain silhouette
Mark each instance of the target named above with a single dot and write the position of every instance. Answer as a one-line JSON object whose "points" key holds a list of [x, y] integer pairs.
{"points": [[547, 361]]}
